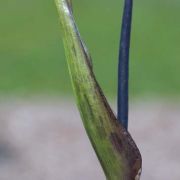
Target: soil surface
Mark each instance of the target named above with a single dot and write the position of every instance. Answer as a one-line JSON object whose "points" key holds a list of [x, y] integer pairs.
{"points": [[45, 140]]}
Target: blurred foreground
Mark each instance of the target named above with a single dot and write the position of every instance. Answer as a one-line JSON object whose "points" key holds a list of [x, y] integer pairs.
{"points": [[44, 140]]}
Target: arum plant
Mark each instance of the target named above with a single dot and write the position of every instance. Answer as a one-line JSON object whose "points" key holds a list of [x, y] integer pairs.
{"points": [[114, 146]]}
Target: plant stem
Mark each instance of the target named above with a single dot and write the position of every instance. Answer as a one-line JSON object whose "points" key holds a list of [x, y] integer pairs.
{"points": [[114, 146], [123, 67]]}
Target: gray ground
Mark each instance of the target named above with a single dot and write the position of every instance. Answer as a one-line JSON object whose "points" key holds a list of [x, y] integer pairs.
{"points": [[45, 140]]}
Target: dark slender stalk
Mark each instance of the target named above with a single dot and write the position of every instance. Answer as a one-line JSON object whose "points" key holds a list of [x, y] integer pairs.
{"points": [[123, 69]]}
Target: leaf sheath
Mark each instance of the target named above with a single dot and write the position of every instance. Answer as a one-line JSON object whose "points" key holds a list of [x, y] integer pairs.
{"points": [[115, 149]]}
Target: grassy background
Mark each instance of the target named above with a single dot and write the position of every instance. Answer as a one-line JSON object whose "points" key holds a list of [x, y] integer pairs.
{"points": [[32, 57]]}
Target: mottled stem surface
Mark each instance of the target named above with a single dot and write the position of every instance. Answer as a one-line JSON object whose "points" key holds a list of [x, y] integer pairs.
{"points": [[115, 148]]}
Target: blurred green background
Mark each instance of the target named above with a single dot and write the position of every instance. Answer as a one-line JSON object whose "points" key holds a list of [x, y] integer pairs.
{"points": [[32, 57]]}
